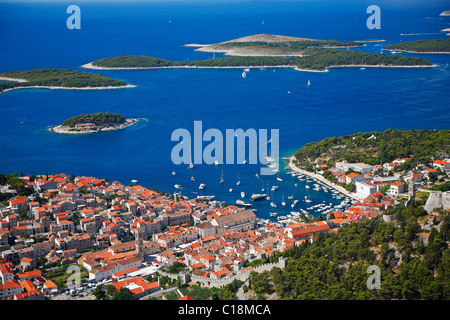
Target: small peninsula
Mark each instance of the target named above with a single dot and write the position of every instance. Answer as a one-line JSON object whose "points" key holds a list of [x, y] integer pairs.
{"points": [[422, 46], [93, 123], [261, 51], [52, 78]]}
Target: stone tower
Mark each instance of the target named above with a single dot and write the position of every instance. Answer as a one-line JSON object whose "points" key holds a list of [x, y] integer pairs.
{"points": [[139, 242]]}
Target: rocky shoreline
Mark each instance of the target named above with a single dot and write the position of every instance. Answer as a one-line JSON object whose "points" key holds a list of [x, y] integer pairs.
{"points": [[60, 129]]}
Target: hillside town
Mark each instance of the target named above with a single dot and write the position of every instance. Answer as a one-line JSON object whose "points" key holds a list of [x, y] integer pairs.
{"points": [[128, 236]]}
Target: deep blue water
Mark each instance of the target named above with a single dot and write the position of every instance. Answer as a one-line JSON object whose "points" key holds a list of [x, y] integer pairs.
{"points": [[342, 101]]}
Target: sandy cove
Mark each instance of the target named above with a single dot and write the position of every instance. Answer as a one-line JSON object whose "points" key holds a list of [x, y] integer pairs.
{"points": [[60, 129], [321, 179]]}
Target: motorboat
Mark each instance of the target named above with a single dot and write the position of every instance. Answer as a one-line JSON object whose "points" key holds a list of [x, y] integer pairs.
{"points": [[258, 196], [208, 198], [240, 202]]}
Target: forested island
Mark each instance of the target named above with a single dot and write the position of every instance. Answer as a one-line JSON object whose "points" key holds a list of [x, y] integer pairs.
{"points": [[275, 51], [425, 46], [318, 60], [53, 78], [92, 123], [376, 148]]}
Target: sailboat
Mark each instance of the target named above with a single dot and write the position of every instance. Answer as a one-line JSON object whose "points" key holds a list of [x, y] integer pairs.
{"points": [[242, 194], [173, 172], [221, 178], [192, 179], [239, 180], [309, 83], [282, 202]]}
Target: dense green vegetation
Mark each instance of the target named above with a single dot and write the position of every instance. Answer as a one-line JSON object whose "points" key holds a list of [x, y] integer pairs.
{"points": [[100, 119], [58, 78], [15, 183], [131, 61], [227, 292], [378, 147], [335, 266], [109, 293], [430, 45], [315, 59]]}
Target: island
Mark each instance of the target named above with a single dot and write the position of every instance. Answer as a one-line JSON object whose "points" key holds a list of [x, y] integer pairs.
{"points": [[422, 46], [445, 13], [262, 51], [53, 78], [93, 123]]}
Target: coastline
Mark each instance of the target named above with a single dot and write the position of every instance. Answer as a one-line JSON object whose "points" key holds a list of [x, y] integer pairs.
{"points": [[13, 79], [68, 88], [435, 52], [60, 129], [91, 66], [321, 179], [249, 52]]}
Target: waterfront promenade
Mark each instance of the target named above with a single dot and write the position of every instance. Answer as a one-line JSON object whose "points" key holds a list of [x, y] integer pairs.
{"points": [[320, 178]]}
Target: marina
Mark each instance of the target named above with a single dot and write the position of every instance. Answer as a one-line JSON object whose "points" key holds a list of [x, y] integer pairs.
{"points": [[289, 201]]}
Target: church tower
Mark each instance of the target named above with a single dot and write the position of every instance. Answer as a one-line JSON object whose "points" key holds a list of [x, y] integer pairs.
{"points": [[139, 242]]}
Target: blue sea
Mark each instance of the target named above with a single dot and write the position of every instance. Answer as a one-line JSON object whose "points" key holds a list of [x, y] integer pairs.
{"points": [[339, 102]]}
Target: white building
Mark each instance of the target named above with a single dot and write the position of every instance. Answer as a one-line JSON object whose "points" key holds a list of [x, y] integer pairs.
{"points": [[365, 189]]}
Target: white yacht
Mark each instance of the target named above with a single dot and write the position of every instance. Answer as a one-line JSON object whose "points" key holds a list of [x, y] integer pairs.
{"points": [[177, 186], [257, 196], [205, 197], [242, 194], [202, 186], [243, 203]]}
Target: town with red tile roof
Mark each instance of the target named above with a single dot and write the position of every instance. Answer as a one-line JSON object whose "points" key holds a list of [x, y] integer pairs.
{"points": [[129, 236]]}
